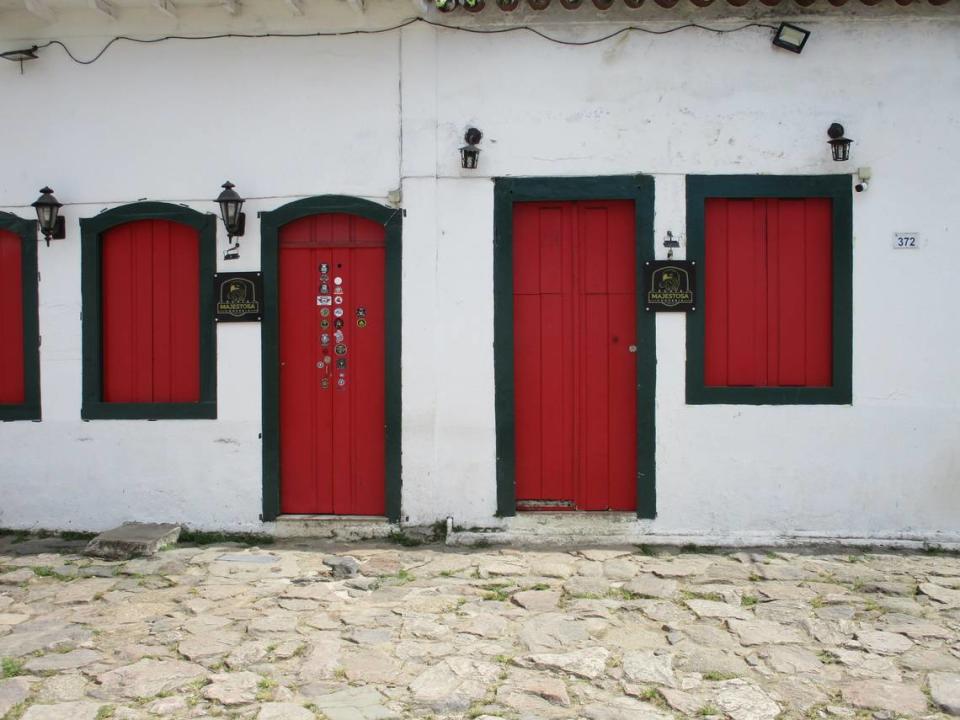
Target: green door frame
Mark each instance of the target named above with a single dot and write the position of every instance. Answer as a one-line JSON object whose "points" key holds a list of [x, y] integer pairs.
{"points": [[270, 225], [507, 191], [26, 230]]}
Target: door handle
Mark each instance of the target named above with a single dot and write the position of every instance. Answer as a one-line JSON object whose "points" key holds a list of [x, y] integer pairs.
{"points": [[632, 348]]}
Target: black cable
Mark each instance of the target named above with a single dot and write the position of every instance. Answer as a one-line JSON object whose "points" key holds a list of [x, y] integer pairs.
{"points": [[399, 26]]}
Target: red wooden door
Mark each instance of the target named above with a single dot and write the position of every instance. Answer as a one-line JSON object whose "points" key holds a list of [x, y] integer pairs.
{"points": [[575, 383], [769, 290], [331, 290], [12, 385]]}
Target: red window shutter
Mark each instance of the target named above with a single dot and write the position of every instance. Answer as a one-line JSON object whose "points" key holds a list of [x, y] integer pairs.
{"points": [[151, 314], [769, 297], [12, 388]]}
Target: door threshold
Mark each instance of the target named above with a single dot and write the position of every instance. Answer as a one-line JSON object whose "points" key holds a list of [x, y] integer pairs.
{"points": [[327, 518], [340, 527]]}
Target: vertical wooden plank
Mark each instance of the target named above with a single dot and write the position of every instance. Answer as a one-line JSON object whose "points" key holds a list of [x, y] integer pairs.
{"points": [[527, 367], [555, 472], [365, 371], [12, 386], [342, 415], [771, 360], [117, 313], [741, 292], [550, 236], [167, 285], [715, 303], [595, 412], [819, 292], [526, 248], [323, 397], [297, 369], [760, 276], [622, 309], [592, 225], [622, 364], [184, 313], [791, 291], [574, 389]]}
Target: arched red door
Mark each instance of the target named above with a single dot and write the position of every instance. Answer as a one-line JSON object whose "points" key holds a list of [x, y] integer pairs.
{"points": [[331, 316]]}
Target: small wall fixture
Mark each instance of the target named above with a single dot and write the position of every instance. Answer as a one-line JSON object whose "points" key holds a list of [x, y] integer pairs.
{"points": [[839, 145], [470, 153], [790, 37], [48, 216], [233, 220], [20, 56]]}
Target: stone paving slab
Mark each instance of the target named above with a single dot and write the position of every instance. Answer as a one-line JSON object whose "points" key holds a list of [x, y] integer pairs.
{"points": [[310, 630]]}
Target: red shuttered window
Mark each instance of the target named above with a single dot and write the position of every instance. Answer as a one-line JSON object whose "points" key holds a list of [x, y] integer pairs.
{"points": [[149, 341], [19, 326], [12, 381], [768, 292], [774, 317], [150, 313]]}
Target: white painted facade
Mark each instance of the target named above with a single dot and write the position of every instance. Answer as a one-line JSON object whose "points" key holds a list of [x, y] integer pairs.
{"points": [[368, 115]]}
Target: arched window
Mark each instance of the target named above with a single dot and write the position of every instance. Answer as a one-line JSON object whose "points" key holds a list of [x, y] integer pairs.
{"points": [[149, 338], [19, 335]]}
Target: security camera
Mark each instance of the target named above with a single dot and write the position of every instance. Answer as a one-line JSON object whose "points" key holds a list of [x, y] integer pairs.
{"points": [[861, 186]]}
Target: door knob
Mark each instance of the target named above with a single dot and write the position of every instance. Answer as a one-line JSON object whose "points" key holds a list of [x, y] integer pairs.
{"points": [[632, 348]]}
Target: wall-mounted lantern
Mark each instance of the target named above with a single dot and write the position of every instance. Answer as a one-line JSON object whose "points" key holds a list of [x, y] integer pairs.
{"points": [[470, 153], [790, 37], [48, 216], [839, 145], [234, 220]]}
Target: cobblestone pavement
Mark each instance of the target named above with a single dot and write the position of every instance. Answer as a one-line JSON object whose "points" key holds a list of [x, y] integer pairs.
{"points": [[369, 632]]}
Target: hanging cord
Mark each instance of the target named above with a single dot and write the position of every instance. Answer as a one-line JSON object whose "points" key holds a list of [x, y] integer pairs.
{"points": [[400, 26]]}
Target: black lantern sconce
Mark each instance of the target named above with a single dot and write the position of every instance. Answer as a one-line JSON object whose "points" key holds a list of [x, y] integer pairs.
{"points": [[839, 145], [234, 220], [48, 216], [470, 153]]}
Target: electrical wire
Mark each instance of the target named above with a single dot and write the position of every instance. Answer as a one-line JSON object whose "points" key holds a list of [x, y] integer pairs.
{"points": [[400, 26]]}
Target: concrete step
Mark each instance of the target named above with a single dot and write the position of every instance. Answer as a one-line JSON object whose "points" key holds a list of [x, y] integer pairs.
{"points": [[339, 527], [133, 540]]}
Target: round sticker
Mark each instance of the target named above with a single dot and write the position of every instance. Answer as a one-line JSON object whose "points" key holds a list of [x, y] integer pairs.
{"points": [[324, 324], [338, 336], [341, 381], [338, 312], [338, 280], [319, 364], [324, 339], [361, 322], [340, 349], [325, 312], [338, 323], [326, 360], [324, 382], [338, 299]]}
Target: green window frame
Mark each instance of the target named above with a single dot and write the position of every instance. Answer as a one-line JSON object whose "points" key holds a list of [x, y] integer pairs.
{"points": [[837, 188], [91, 232], [26, 230]]}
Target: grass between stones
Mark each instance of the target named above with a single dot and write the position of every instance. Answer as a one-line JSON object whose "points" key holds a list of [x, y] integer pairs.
{"points": [[10, 667], [196, 537]]}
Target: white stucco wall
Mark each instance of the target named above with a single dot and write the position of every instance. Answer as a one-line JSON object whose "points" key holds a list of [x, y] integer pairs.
{"points": [[366, 115]]}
